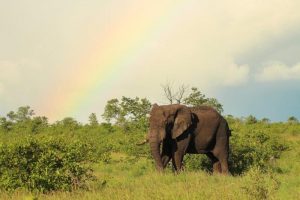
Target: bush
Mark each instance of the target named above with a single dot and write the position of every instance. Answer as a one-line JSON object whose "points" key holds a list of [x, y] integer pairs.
{"points": [[45, 165], [260, 184], [254, 148], [251, 120], [247, 149], [197, 162]]}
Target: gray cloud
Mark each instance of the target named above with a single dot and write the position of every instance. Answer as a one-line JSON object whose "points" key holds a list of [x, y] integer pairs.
{"points": [[277, 71]]}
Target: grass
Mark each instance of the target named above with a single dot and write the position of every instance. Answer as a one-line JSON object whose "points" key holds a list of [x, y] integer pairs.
{"points": [[189, 185], [123, 180], [127, 177], [289, 172]]}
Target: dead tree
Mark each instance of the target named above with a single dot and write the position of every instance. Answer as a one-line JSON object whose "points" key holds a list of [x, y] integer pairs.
{"points": [[174, 96]]}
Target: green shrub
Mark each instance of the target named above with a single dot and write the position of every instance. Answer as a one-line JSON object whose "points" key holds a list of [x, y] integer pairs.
{"points": [[254, 148], [260, 184], [247, 149], [250, 120], [45, 165], [197, 162]]}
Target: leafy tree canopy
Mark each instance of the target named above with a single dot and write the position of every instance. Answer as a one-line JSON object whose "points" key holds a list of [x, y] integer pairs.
{"points": [[93, 119], [251, 120], [127, 112], [23, 113], [293, 119], [197, 98]]}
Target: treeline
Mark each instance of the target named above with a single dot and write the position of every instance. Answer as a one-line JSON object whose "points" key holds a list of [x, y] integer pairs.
{"points": [[127, 113]]}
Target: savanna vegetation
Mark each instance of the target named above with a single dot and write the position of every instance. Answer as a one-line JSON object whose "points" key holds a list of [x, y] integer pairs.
{"points": [[71, 160]]}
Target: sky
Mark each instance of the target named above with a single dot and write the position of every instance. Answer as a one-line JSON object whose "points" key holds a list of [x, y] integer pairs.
{"points": [[68, 58]]}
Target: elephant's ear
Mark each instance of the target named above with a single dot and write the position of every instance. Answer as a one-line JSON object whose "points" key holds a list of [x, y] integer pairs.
{"points": [[183, 120]]}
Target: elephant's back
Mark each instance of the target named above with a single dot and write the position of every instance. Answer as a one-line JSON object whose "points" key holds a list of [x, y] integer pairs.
{"points": [[206, 115], [204, 109]]}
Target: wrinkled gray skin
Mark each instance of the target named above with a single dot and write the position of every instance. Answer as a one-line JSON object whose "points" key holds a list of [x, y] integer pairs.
{"points": [[181, 129]]}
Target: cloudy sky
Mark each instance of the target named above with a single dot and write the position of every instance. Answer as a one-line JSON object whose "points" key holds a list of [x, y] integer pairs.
{"points": [[67, 58]]}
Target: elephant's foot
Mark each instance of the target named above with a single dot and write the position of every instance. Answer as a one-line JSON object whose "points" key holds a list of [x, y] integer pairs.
{"points": [[217, 168], [159, 169]]}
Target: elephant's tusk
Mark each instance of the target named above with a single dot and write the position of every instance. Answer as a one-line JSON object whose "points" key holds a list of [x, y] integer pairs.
{"points": [[143, 142]]}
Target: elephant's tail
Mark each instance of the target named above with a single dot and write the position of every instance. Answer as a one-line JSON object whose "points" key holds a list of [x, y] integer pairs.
{"points": [[228, 130]]}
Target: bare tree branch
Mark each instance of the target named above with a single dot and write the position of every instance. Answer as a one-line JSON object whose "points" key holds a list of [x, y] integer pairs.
{"points": [[168, 92], [174, 97], [180, 94]]}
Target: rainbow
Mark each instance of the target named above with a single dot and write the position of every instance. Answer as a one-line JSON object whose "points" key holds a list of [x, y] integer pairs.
{"points": [[111, 53]]}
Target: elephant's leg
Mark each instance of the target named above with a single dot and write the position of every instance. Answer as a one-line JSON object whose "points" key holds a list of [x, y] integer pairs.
{"points": [[217, 167], [224, 163], [221, 148], [222, 156], [179, 149], [166, 154], [215, 163], [166, 159], [177, 160]]}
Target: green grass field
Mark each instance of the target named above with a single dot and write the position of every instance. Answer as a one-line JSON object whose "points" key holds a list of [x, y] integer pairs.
{"points": [[130, 175]]}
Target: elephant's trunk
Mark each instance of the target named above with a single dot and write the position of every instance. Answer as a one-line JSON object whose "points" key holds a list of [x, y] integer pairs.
{"points": [[155, 151]]}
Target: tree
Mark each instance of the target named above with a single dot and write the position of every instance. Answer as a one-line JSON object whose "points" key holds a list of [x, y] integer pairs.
{"points": [[128, 112], [293, 120], [231, 119], [112, 111], [38, 124], [93, 120], [135, 109], [11, 116], [68, 123], [23, 120], [5, 125], [196, 98], [23, 113], [251, 119], [174, 96], [265, 120]]}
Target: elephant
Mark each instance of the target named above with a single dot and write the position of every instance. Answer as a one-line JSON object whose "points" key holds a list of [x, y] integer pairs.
{"points": [[194, 130]]}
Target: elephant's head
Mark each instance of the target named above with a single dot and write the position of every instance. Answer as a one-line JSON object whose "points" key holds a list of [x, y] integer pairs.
{"points": [[167, 122]]}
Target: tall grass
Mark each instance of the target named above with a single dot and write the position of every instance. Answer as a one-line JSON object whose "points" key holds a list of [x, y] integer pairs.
{"points": [[127, 171], [188, 185]]}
